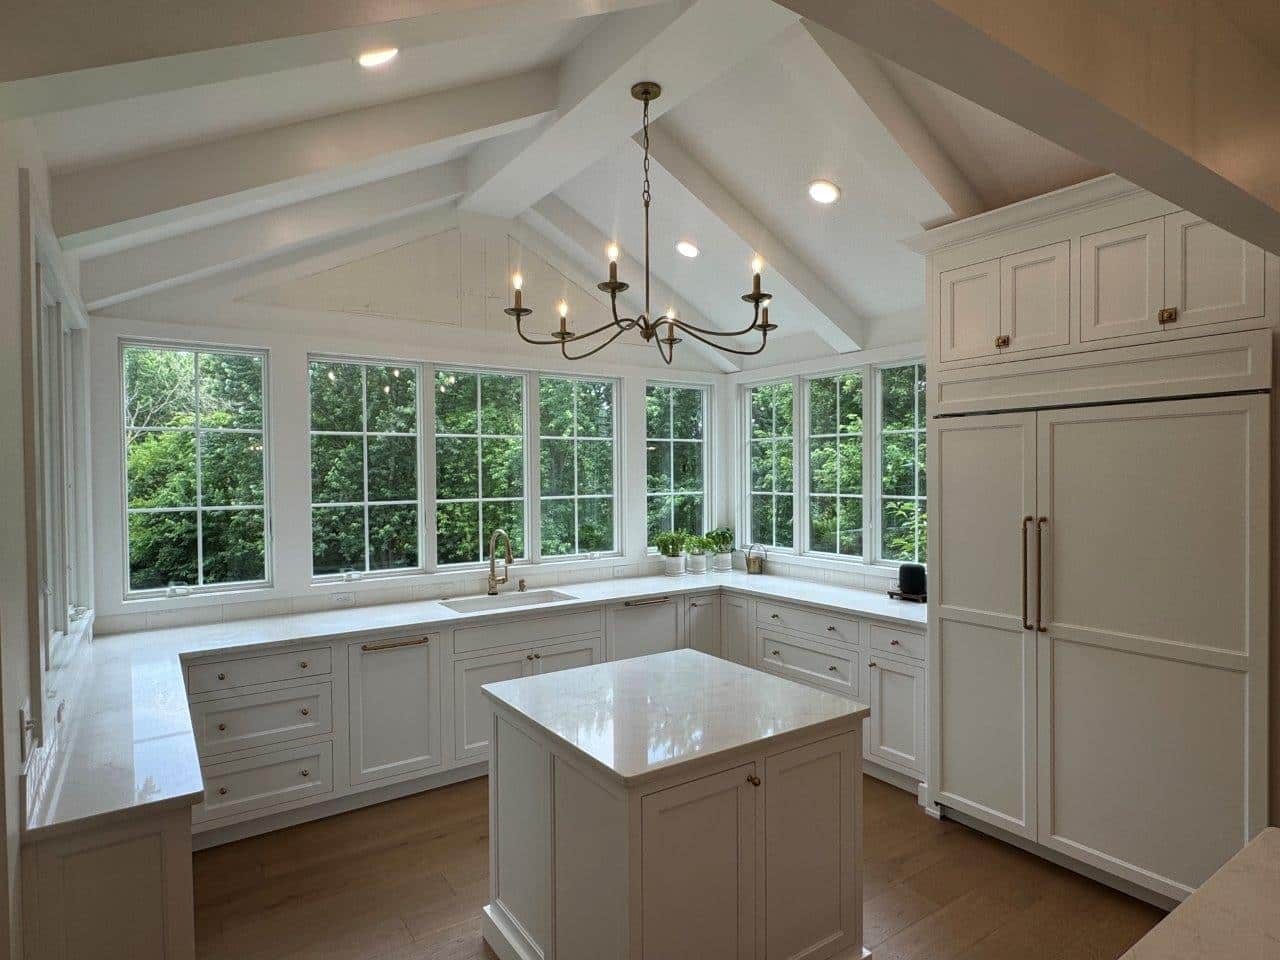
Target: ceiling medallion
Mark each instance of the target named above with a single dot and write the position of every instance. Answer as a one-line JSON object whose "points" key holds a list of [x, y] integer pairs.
{"points": [[662, 331]]}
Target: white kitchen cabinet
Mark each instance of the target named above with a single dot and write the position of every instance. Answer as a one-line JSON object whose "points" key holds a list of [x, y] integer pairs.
{"points": [[698, 868], [1122, 280], [969, 311], [395, 703], [640, 627], [1035, 298], [1210, 276], [895, 731], [578, 652], [702, 624], [472, 715], [736, 630]]}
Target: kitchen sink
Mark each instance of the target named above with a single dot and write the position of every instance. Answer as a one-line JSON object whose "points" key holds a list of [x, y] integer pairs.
{"points": [[504, 601]]}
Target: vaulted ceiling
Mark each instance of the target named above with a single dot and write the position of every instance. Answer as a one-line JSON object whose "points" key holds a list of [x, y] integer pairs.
{"points": [[171, 172]]}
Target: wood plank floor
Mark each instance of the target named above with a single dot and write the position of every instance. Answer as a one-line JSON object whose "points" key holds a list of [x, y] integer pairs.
{"points": [[405, 880]]}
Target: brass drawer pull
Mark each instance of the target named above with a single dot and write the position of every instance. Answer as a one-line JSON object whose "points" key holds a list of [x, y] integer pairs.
{"points": [[221, 727], [753, 780], [645, 603], [1041, 523], [376, 647], [1026, 622], [305, 711], [303, 665], [528, 656], [305, 772], [776, 653], [222, 676], [894, 643], [873, 664], [831, 628], [834, 669], [222, 791], [774, 616], [537, 656]]}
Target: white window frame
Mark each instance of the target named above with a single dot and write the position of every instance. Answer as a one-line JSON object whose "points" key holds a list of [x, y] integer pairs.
{"points": [[877, 545], [196, 348], [707, 506], [871, 479], [426, 551], [802, 468], [534, 511]]}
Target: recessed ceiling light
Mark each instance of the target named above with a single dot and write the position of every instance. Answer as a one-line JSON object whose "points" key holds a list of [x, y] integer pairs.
{"points": [[824, 191], [376, 58], [687, 249]]}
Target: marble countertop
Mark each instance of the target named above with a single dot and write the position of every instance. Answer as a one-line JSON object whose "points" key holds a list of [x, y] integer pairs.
{"points": [[1235, 913], [637, 717], [132, 747]]}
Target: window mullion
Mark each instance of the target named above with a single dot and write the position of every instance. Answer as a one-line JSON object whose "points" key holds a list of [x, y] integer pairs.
{"points": [[199, 445]]}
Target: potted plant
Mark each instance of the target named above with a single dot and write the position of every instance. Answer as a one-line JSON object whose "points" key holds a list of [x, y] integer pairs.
{"points": [[721, 540], [671, 546], [697, 548]]}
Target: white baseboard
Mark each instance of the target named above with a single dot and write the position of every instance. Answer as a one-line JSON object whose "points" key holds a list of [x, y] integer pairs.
{"points": [[902, 781]]}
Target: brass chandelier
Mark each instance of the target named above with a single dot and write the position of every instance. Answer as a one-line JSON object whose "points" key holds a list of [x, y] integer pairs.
{"points": [[662, 331]]}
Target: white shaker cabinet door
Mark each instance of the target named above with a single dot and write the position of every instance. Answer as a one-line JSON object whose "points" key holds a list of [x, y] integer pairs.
{"points": [[982, 493], [736, 629], [395, 707], [1152, 669], [969, 311], [698, 868], [1211, 276], [895, 729], [637, 628], [702, 620], [567, 654], [472, 715], [1122, 280], [1035, 297]]}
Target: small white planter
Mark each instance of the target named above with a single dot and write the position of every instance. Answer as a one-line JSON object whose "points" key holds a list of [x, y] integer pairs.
{"points": [[722, 562], [697, 563], [673, 566]]}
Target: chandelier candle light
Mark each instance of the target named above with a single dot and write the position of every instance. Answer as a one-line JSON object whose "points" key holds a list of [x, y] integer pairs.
{"points": [[661, 331]]}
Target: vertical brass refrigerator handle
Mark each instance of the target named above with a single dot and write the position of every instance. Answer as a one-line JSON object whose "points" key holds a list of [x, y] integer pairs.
{"points": [[1022, 530], [1040, 525]]}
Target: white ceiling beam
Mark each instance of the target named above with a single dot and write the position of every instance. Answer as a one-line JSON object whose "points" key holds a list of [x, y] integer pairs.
{"points": [[844, 329], [1095, 77], [682, 45], [76, 54], [140, 271], [892, 138], [578, 237], [110, 207]]}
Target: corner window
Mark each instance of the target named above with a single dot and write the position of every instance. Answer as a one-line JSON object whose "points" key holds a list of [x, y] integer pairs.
{"points": [[480, 471], [364, 467], [835, 465], [195, 467], [577, 433], [771, 455], [903, 526], [675, 456]]}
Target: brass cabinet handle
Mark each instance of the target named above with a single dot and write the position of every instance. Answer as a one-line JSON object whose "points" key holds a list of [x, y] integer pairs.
{"points": [[645, 603], [528, 656], [303, 665], [222, 791], [1026, 622], [753, 779], [1002, 341], [1167, 315], [222, 676], [222, 726], [305, 711], [776, 653], [895, 643], [873, 664], [774, 616], [831, 628], [305, 772], [537, 656], [1041, 523], [834, 669], [376, 647]]}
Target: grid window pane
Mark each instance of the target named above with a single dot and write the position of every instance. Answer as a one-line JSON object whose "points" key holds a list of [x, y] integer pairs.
{"points": [[576, 466], [903, 514], [771, 466], [194, 446], [835, 464], [480, 469], [364, 467], [675, 418]]}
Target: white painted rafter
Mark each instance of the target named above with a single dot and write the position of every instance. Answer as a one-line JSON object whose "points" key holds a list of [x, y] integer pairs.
{"points": [[839, 326], [111, 207], [552, 217], [668, 43], [140, 271]]}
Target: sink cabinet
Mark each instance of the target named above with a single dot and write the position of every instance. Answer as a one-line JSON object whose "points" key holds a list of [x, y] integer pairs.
{"points": [[395, 707], [643, 626]]}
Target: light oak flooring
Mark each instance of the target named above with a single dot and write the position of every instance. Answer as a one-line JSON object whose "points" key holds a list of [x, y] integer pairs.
{"points": [[405, 880]]}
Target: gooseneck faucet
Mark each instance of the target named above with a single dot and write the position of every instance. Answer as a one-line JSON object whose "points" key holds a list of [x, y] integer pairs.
{"points": [[494, 579]]}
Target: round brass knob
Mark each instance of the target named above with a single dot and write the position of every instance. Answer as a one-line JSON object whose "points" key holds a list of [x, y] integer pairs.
{"points": [[222, 726], [774, 616], [833, 669], [303, 665], [831, 628], [305, 772], [776, 653], [305, 711], [537, 656], [222, 791], [222, 676], [528, 656], [753, 780], [895, 643]]}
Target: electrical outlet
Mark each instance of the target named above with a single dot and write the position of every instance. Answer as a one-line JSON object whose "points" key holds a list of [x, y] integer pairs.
{"points": [[343, 599]]}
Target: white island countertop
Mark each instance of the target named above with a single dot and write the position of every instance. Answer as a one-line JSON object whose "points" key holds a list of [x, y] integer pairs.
{"points": [[637, 717]]}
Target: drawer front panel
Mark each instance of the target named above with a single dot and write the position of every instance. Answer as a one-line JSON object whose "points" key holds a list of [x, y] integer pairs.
{"points": [[247, 671], [240, 786], [904, 643], [809, 662], [258, 719], [826, 626], [511, 632]]}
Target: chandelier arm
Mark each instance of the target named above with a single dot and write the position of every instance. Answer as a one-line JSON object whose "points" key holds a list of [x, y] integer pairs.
{"points": [[626, 323], [691, 328], [537, 343], [582, 356], [670, 353], [764, 337]]}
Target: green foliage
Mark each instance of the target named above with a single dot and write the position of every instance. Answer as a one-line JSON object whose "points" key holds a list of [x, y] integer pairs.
{"points": [[903, 517], [675, 422], [720, 539], [696, 545], [670, 543], [576, 475]]}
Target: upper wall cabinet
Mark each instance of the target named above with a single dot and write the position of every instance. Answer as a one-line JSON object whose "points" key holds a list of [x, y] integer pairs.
{"points": [[969, 311], [1210, 276], [1122, 280]]}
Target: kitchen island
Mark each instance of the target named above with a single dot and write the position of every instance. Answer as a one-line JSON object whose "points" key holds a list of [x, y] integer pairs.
{"points": [[673, 806]]}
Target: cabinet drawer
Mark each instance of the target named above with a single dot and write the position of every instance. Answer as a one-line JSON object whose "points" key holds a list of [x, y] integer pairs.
{"points": [[826, 626], [258, 719], [510, 632], [808, 661], [905, 643], [215, 675], [240, 786]]}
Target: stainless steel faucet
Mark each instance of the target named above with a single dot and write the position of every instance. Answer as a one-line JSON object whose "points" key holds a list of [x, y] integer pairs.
{"points": [[494, 579]]}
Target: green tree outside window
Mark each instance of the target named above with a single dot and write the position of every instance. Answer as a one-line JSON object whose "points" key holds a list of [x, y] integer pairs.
{"points": [[903, 514], [771, 454], [675, 445], [835, 465], [576, 466]]}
